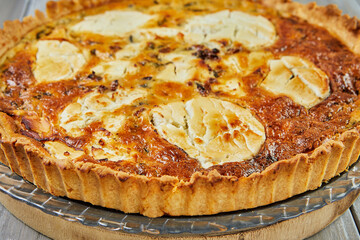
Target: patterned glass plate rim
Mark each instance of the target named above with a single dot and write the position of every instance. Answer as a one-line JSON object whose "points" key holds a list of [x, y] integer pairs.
{"points": [[225, 223]]}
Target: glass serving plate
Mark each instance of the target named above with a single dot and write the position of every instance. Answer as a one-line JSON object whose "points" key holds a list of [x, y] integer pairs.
{"points": [[225, 223]]}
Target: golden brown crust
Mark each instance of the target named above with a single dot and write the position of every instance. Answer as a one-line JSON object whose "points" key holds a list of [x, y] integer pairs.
{"points": [[57, 9], [344, 27], [13, 31], [203, 194]]}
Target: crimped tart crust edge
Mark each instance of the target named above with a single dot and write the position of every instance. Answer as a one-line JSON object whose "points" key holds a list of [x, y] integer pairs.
{"points": [[154, 197], [202, 194]]}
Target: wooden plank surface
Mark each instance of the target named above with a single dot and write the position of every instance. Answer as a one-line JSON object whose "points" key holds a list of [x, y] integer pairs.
{"points": [[355, 211], [343, 228], [11, 228]]}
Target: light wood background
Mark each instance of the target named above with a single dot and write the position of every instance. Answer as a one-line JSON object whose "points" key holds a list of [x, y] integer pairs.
{"points": [[346, 227]]}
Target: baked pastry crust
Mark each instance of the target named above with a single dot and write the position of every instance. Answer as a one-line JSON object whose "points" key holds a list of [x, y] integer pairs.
{"points": [[202, 194]]}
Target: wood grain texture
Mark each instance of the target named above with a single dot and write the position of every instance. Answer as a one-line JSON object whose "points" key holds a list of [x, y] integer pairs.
{"points": [[11, 228], [355, 211], [343, 228], [296, 228]]}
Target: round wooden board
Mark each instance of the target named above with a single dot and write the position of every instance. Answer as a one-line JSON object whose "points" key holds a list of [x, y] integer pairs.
{"points": [[58, 228]]}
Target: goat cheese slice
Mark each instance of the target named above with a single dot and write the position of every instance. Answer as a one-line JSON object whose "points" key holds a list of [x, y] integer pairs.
{"points": [[212, 130]]}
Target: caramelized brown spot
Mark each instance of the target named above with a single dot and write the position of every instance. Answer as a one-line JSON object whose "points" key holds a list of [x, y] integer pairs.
{"points": [[172, 90], [114, 85]]}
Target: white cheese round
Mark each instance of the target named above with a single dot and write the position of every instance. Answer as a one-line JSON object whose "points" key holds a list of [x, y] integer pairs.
{"points": [[57, 60], [210, 130], [298, 79], [249, 30], [113, 23]]}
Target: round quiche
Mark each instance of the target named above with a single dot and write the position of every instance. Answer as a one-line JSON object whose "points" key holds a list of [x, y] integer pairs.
{"points": [[180, 107]]}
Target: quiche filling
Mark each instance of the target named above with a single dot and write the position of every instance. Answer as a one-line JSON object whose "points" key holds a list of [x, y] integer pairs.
{"points": [[174, 89]]}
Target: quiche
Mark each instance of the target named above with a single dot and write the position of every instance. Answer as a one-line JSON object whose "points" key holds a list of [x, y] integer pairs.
{"points": [[172, 107]]}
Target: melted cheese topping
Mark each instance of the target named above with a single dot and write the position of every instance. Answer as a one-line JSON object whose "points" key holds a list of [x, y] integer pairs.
{"points": [[210, 130], [62, 151], [152, 33], [114, 69], [298, 79], [105, 147], [51, 55], [181, 67], [130, 50], [231, 86], [251, 31], [112, 23], [98, 107]]}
